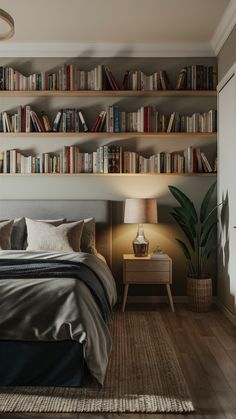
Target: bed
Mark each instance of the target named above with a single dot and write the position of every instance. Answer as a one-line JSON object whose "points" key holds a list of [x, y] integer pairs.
{"points": [[55, 306]]}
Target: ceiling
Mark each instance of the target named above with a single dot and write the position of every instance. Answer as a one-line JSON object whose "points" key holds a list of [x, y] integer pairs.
{"points": [[115, 21]]}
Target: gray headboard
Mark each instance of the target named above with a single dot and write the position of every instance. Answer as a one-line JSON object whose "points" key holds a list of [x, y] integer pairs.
{"points": [[72, 210]]}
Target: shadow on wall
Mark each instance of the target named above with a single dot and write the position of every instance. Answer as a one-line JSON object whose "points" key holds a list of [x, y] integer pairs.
{"points": [[226, 297]]}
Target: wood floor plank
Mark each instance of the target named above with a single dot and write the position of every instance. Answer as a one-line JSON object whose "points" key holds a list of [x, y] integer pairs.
{"points": [[40, 416], [202, 327], [205, 345], [232, 354], [201, 390], [215, 376], [227, 340], [223, 360]]}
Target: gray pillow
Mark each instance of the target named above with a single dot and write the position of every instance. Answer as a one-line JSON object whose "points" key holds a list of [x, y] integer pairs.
{"points": [[5, 234], [88, 244], [55, 223], [45, 236], [18, 233]]}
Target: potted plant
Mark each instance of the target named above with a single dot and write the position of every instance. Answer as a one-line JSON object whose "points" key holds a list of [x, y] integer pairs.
{"points": [[200, 232]]}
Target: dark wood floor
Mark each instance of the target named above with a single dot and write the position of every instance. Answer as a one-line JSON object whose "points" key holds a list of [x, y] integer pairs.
{"points": [[206, 348]]}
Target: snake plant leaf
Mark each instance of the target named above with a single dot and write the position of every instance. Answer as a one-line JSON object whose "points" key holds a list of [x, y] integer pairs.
{"points": [[184, 249], [187, 231], [208, 243], [206, 201], [184, 201], [211, 250], [184, 214], [209, 217], [206, 230], [182, 220], [185, 218]]}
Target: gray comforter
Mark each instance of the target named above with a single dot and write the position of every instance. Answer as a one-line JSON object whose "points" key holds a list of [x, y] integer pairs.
{"points": [[50, 309]]}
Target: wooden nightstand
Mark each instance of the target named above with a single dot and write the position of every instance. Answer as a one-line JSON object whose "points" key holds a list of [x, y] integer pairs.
{"points": [[144, 270]]}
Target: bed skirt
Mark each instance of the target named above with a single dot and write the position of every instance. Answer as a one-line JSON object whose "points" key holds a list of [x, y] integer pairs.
{"points": [[59, 364]]}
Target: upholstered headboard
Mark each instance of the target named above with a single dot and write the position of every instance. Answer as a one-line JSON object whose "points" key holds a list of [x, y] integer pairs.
{"points": [[72, 210]]}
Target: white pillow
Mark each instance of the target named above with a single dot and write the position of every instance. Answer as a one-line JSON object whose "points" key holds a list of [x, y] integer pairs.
{"points": [[43, 236], [56, 222]]}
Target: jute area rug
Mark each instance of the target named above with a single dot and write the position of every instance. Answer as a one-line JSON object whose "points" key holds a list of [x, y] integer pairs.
{"points": [[143, 376]]}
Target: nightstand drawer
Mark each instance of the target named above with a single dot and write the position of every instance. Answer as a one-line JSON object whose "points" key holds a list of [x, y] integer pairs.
{"points": [[148, 277], [148, 266]]}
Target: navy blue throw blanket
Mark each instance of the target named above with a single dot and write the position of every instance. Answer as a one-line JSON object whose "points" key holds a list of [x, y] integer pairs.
{"points": [[40, 268]]}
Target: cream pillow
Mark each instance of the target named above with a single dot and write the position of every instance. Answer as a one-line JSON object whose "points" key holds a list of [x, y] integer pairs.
{"points": [[5, 234], [43, 236], [56, 223]]}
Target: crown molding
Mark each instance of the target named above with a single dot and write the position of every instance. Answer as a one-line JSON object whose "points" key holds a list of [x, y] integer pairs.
{"points": [[14, 49], [72, 49], [225, 27]]}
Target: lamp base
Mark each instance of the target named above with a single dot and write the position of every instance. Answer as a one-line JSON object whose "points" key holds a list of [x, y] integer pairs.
{"points": [[140, 243], [140, 249]]}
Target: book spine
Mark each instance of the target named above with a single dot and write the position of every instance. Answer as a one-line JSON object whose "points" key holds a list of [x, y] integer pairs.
{"points": [[82, 120], [56, 122]]}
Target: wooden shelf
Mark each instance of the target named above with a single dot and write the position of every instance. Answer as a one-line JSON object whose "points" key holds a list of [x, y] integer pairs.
{"points": [[109, 174], [108, 134], [108, 93]]}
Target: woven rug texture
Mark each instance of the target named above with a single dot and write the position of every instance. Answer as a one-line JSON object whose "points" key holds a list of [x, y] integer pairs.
{"points": [[143, 376]]}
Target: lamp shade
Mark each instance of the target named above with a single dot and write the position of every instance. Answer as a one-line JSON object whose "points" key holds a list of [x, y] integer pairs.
{"points": [[140, 211]]}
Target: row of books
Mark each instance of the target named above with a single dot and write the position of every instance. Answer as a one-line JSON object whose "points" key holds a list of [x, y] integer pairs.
{"points": [[197, 77], [71, 77], [149, 119], [106, 159], [27, 120], [193, 160], [145, 119], [66, 77], [138, 80], [197, 122]]}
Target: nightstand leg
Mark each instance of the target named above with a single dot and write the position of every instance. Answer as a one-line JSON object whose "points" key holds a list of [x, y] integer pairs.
{"points": [[125, 296], [170, 297]]}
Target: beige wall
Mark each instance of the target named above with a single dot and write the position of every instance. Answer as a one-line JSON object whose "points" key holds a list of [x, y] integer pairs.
{"points": [[227, 54], [116, 189]]}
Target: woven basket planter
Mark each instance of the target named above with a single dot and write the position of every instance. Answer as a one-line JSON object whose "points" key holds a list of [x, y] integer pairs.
{"points": [[199, 293]]}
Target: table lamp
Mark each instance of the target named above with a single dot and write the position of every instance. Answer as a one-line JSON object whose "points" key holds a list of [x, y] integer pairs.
{"points": [[140, 211]]}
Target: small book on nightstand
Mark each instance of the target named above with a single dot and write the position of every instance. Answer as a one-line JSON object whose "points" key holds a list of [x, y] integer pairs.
{"points": [[159, 256]]}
